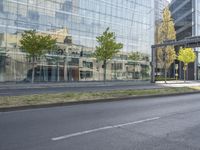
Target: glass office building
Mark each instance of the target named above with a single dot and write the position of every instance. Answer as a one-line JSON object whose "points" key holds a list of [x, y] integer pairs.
{"points": [[187, 23], [159, 6], [76, 24]]}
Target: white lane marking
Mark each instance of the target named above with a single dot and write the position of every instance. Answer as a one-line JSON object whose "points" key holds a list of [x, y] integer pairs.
{"points": [[102, 128]]}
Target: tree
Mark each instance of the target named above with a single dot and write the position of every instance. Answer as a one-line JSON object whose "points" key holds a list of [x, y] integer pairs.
{"points": [[107, 48], [36, 46], [186, 55], [136, 56], [166, 32]]}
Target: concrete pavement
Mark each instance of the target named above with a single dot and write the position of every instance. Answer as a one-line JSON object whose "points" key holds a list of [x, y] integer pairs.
{"points": [[179, 83], [41, 88], [167, 123], [21, 85]]}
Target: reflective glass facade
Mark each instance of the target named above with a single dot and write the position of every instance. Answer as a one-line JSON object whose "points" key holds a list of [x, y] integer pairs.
{"points": [[187, 23], [75, 24], [183, 15], [159, 6]]}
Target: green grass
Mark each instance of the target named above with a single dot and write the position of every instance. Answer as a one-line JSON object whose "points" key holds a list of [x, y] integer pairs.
{"points": [[13, 101]]}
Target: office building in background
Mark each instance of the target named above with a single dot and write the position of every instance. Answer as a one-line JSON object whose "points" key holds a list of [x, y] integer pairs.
{"points": [[187, 19]]}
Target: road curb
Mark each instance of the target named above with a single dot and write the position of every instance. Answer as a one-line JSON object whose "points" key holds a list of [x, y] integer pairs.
{"points": [[92, 101]]}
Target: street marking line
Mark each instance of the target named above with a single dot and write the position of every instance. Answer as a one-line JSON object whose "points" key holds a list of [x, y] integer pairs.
{"points": [[102, 128]]}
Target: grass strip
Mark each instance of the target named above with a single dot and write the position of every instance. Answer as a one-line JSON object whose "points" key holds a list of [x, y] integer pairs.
{"points": [[38, 99]]}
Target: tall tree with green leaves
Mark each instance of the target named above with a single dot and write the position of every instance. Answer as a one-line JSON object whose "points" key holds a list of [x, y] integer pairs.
{"points": [[36, 45], [186, 55], [107, 48], [166, 32]]}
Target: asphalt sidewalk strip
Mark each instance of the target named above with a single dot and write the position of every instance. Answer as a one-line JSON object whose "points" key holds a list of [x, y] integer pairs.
{"points": [[3, 93], [102, 128]]}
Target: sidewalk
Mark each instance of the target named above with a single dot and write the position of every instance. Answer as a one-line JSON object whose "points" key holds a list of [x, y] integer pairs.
{"points": [[179, 83], [71, 84]]}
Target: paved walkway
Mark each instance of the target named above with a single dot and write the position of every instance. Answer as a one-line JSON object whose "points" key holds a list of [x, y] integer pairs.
{"points": [[71, 84], [179, 83], [96, 84], [45, 88]]}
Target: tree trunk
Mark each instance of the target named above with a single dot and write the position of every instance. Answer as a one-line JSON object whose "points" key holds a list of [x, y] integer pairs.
{"points": [[58, 73], [33, 70], [184, 75], [185, 68], [40, 73], [104, 65], [165, 66], [65, 70], [165, 76]]}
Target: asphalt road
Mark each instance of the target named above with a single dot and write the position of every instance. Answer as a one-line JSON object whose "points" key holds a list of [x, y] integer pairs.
{"points": [[86, 88], [167, 123]]}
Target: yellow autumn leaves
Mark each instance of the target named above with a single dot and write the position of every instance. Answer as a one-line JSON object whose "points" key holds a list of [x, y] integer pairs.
{"points": [[186, 55], [166, 55], [166, 31]]}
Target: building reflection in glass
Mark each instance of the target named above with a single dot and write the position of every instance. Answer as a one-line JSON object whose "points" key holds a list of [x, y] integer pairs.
{"points": [[75, 24]]}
